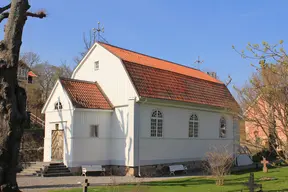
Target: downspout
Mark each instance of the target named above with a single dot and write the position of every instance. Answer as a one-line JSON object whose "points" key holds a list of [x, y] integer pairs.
{"points": [[139, 166]]}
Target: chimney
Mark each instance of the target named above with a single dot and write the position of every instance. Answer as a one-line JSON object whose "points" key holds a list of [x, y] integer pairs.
{"points": [[212, 74]]}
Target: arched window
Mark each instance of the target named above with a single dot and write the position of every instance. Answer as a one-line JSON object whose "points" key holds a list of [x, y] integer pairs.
{"points": [[58, 106], [156, 124], [193, 126], [222, 130]]}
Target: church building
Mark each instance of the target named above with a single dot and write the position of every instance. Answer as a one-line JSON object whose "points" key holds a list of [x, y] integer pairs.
{"points": [[127, 110]]}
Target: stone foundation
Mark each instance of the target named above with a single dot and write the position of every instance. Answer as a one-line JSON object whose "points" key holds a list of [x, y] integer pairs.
{"points": [[145, 171], [76, 170]]}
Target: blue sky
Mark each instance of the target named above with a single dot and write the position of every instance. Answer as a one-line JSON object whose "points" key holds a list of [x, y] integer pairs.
{"points": [[174, 30]]}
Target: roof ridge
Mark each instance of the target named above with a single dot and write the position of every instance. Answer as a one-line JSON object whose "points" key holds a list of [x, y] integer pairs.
{"points": [[151, 56], [77, 80]]}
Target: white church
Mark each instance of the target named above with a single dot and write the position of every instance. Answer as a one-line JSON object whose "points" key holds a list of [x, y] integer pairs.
{"points": [[126, 110]]}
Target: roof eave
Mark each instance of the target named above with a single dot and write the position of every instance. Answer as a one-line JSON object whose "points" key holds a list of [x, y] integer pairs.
{"points": [[182, 104]]}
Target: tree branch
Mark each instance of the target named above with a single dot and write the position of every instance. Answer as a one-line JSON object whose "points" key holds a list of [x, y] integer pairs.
{"points": [[3, 16], [40, 14], [2, 9]]}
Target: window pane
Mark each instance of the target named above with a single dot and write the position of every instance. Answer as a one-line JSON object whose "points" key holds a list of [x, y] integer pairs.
{"points": [[222, 131], [96, 65], [153, 127], [193, 126], [60, 105], [190, 129], [159, 114], [196, 129], [154, 114], [159, 128], [94, 130]]}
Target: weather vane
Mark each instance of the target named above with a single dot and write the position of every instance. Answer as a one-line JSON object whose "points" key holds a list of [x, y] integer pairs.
{"points": [[97, 32], [198, 62]]}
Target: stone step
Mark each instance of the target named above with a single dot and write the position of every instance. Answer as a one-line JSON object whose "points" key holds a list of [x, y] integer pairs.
{"points": [[56, 164], [60, 167], [57, 171], [54, 169]]}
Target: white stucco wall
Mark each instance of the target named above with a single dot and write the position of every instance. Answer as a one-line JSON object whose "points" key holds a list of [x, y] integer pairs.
{"points": [[111, 76], [91, 150], [62, 117], [175, 145]]}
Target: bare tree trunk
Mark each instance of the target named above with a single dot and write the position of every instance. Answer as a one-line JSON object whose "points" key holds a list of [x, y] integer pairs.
{"points": [[13, 116], [12, 97]]}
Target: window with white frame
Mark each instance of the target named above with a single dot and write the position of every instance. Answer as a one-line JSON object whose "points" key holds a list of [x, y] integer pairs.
{"points": [[156, 123], [94, 131], [96, 65], [222, 130], [58, 106], [193, 125]]}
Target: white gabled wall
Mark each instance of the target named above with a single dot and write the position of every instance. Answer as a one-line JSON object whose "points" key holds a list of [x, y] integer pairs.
{"points": [[62, 117], [115, 82], [175, 145], [111, 76]]}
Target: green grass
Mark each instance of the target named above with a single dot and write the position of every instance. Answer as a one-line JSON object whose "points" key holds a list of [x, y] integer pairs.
{"points": [[202, 184]]}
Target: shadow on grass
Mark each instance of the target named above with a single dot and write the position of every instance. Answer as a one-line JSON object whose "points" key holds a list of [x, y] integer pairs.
{"points": [[196, 181], [50, 186], [253, 170]]}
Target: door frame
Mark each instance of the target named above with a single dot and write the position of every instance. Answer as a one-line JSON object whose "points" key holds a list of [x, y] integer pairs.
{"points": [[61, 128]]}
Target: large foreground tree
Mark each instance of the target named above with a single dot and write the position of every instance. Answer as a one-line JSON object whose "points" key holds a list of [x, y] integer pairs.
{"points": [[12, 97]]}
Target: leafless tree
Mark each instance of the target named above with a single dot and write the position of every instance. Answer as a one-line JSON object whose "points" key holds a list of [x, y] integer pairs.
{"points": [[47, 76], [265, 98], [30, 58], [13, 116], [219, 161], [65, 70], [88, 43]]}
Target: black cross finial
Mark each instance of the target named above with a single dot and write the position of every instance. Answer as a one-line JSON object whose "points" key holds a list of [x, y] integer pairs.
{"points": [[198, 62], [97, 32]]}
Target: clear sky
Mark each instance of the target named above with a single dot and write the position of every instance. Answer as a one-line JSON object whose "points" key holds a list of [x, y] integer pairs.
{"points": [[179, 31]]}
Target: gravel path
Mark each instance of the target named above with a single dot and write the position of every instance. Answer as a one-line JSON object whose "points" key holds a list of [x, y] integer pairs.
{"points": [[44, 184]]}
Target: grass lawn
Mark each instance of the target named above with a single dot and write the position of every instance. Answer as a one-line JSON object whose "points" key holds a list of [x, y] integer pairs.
{"points": [[202, 184]]}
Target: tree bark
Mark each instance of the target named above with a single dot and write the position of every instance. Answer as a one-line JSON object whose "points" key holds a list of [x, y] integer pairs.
{"points": [[13, 114]]}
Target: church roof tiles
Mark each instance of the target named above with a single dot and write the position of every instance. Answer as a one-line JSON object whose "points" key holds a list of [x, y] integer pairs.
{"points": [[84, 94], [161, 79]]}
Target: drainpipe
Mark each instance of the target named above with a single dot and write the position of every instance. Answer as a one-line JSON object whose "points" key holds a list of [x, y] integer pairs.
{"points": [[139, 172], [139, 166]]}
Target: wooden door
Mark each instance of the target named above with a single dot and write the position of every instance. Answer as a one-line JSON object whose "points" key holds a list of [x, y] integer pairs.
{"points": [[57, 145]]}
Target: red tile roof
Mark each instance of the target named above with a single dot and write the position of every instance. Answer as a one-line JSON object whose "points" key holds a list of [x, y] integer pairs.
{"points": [[32, 74], [157, 78], [162, 84], [146, 60], [84, 94]]}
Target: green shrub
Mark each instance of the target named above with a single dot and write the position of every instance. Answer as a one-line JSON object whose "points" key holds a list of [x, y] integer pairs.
{"points": [[270, 156]]}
